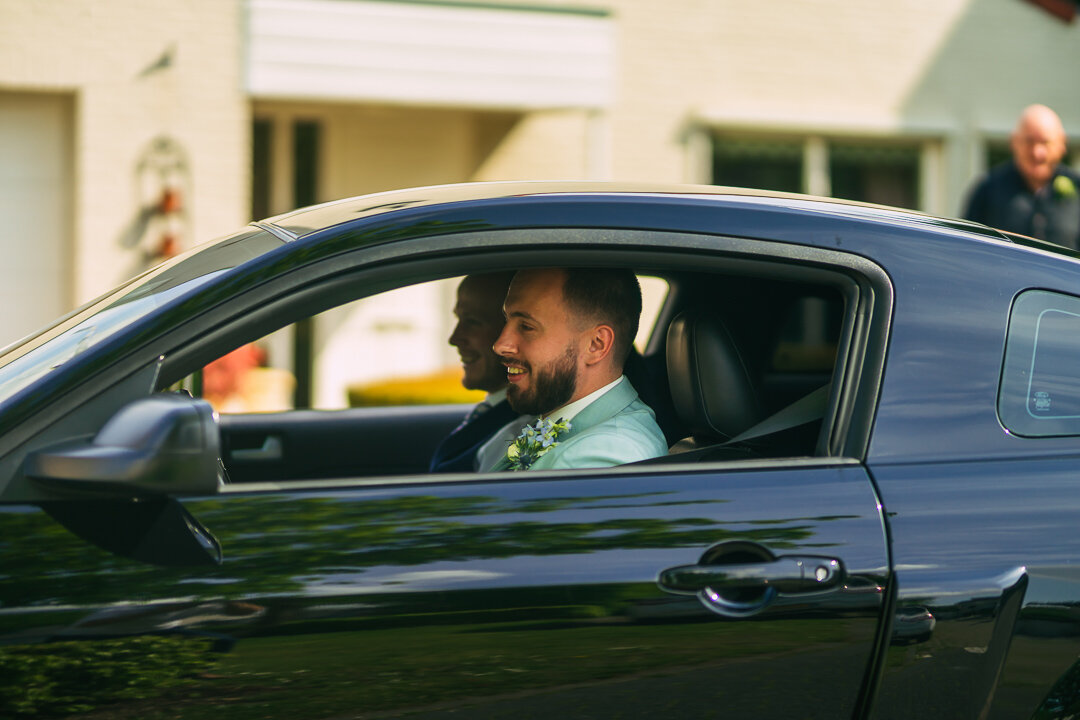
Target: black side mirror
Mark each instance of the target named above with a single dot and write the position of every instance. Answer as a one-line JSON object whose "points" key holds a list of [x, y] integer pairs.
{"points": [[117, 489], [165, 444], [159, 531]]}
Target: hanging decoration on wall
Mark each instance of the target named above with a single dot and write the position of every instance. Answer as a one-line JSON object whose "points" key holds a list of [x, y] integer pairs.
{"points": [[163, 183]]}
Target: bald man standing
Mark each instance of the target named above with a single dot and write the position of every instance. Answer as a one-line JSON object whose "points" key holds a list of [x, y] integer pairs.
{"points": [[1033, 194]]}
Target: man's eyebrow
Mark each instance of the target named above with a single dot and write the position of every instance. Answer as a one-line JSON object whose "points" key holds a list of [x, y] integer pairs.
{"points": [[518, 314]]}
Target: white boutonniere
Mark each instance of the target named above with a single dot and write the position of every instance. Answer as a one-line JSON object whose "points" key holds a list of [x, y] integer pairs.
{"points": [[534, 441], [1064, 186]]}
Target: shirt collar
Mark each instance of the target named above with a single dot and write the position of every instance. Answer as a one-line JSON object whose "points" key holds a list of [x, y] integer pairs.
{"points": [[570, 410], [494, 398]]}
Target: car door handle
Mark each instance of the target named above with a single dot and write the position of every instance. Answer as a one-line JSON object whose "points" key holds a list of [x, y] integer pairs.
{"points": [[741, 589], [271, 449], [789, 574]]}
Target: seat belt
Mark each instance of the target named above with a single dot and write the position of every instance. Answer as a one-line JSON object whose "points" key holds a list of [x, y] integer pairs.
{"points": [[806, 409]]}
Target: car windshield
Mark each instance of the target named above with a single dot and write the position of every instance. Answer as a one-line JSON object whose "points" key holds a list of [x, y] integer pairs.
{"points": [[35, 356]]}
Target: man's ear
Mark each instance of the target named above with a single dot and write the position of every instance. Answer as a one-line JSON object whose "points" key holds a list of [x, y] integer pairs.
{"points": [[601, 344]]}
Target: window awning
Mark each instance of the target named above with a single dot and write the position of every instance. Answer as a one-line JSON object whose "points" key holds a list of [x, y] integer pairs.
{"points": [[465, 55]]}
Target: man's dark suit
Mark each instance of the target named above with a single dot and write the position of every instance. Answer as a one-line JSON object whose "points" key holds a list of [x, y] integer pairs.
{"points": [[457, 451]]}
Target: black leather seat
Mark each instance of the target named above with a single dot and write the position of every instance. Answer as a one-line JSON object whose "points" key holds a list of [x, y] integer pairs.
{"points": [[712, 385], [649, 378]]}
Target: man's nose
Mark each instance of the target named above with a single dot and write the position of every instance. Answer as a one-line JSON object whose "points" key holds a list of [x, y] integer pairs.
{"points": [[504, 344], [455, 337]]}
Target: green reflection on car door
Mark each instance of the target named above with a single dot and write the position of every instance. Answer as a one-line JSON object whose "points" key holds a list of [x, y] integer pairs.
{"points": [[523, 599]]}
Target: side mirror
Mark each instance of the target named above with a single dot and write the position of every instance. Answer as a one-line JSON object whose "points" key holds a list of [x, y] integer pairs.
{"points": [[159, 530], [164, 444]]}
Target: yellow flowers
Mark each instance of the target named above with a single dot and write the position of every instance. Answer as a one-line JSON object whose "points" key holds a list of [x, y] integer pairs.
{"points": [[1064, 187]]}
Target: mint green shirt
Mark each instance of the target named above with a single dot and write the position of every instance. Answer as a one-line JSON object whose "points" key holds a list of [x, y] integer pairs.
{"points": [[614, 429]]}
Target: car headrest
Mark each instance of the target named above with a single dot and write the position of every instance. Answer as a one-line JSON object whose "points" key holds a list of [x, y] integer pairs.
{"points": [[711, 386]]}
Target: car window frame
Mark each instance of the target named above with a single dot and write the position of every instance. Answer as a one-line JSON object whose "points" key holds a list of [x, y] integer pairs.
{"points": [[361, 273], [276, 291]]}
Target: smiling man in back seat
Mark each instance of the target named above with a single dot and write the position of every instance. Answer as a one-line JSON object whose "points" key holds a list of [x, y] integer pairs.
{"points": [[479, 321], [567, 335]]}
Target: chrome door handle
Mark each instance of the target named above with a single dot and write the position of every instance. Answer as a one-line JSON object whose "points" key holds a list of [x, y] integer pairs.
{"points": [[742, 589], [789, 574]]}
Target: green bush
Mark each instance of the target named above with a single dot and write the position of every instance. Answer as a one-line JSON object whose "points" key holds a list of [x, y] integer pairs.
{"points": [[58, 678]]}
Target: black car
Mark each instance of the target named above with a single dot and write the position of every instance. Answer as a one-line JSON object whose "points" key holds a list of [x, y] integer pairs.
{"points": [[870, 509]]}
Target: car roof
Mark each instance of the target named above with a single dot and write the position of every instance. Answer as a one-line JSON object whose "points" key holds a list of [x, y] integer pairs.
{"points": [[305, 221]]}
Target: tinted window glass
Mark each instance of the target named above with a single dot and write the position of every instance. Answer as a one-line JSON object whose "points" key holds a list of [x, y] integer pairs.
{"points": [[808, 337], [1040, 385]]}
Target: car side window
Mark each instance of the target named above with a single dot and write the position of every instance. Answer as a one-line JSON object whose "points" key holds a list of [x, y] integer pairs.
{"points": [[1040, 381], [389, 349], [384, 366]]}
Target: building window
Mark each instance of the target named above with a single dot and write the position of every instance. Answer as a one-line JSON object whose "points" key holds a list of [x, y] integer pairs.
{"points": [[306, 142], [262, 144], [882, 174], [761, 164], [885, 172], [997, 152]]}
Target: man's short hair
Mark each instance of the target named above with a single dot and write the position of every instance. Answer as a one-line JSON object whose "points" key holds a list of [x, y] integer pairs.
{"points": [[608, 296], [494, 284]]}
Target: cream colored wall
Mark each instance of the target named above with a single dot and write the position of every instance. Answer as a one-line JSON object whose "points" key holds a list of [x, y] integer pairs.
{"points": [[952, 71], [372, 148], [546, 145], [104, 52]]}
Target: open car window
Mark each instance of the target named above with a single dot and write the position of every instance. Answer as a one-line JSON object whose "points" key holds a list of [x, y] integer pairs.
{"points": [[383, 367], [390, 349]]}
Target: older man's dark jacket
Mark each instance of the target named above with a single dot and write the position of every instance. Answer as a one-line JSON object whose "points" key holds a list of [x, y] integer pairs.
{"points": [[1003, 200]]}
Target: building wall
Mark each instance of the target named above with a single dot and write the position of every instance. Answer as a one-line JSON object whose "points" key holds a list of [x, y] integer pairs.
{"points": [[541, 145], [956, 72], [370, 148], [139, 71]]}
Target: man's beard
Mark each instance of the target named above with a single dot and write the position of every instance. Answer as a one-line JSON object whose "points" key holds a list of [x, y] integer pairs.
{"points": [[551, 388]]}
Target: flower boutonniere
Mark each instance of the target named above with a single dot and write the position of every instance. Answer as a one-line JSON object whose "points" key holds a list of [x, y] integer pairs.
{"points": [[534, 441], [1064, 187]]}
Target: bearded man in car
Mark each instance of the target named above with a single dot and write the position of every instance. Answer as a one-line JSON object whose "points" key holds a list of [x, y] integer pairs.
{"points": [[568, 333]]}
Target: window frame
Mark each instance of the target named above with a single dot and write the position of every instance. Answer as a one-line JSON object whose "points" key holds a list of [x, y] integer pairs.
{"points": [[316, 287], [816, 167]]}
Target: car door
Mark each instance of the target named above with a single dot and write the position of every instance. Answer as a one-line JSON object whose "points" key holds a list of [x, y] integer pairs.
{"points": [[748, 588], [595, 594]]}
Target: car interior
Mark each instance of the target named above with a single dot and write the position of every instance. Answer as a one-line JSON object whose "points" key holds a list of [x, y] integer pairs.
{"points": [[737, 366]]}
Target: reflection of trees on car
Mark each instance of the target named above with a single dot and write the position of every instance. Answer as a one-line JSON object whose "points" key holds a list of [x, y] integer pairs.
{"points": [[416, 660], [284, 542], [58, 678]]}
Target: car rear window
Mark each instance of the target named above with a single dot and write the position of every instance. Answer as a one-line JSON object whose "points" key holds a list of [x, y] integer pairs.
{"points": [[1040, 379]]}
